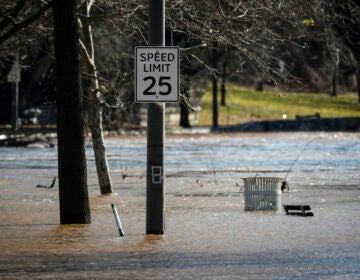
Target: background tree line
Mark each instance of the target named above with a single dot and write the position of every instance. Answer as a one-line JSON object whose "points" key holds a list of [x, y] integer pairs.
{"points": [[311, 46]]}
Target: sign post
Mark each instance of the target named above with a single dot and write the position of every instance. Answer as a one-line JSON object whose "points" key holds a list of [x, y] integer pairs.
{"points": [[14, 78], [156, 82]]}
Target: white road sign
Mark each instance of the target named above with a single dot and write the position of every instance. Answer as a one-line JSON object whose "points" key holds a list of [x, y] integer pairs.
{"points": [[157, 75]]}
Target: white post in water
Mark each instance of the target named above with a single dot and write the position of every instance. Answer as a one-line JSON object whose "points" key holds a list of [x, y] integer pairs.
{"points": [[117, 220]]}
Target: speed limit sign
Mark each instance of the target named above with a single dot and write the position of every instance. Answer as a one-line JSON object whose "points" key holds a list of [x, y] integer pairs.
{"points": [[156, 74]]}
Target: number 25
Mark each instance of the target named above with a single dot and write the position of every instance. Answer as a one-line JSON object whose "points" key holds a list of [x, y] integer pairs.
{"points": [[163, 82]]}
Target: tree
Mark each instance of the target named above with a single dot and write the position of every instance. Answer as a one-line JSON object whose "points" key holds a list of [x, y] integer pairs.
{"points": [[73, 193], [344, 19], [92, 97], [18, 19]]}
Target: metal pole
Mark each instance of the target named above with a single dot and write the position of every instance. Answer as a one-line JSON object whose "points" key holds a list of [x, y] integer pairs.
{"points": [[155, 185], [117, 220]]}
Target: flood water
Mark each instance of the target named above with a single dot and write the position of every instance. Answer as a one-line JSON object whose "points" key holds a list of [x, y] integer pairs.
{"points": [[208, 233]]}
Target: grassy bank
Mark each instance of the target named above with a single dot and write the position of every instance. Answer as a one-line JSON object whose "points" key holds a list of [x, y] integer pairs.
{"points": [[244, 105]]}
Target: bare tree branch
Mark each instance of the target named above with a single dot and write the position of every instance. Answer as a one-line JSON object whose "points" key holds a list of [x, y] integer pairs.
{"points": [[19, 26], [8, 19]]}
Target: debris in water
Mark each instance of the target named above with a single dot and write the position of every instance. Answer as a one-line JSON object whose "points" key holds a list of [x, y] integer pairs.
{"points": [[284, 187], [48, 187], [298, 210], [284, 183]]}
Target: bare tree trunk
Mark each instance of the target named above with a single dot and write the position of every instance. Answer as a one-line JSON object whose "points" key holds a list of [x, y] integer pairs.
{"points": [[94, 109], [184, 111], [334, 82], [184, 116], [97, 138], [358, 83], [73, 193], [215, 91], [335, 73], [214, 102], [223, 86]]}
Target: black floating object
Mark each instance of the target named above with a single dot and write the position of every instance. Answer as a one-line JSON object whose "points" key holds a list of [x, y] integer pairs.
{"points": [[298, 210], [48, 187]]}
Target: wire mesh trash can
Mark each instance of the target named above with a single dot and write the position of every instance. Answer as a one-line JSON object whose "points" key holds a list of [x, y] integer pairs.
{"points": [[262, 193]]}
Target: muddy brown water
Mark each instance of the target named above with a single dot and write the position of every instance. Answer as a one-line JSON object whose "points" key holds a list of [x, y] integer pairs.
{"points": [[208, 233]]}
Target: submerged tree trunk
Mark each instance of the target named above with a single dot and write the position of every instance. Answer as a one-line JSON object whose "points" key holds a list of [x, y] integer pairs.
{"points": [[94, 107], [102, 167], [73, 193]]}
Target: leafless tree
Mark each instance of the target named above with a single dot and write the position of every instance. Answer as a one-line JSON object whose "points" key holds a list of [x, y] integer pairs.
{"points": [[73, 193], [93, 98], [342, 21]]}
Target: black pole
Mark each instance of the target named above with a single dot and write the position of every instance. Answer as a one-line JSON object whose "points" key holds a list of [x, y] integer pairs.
{"points": [[155, 185]]}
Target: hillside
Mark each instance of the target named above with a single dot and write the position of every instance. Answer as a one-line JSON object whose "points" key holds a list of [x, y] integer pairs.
{"points": [[244, 105]]}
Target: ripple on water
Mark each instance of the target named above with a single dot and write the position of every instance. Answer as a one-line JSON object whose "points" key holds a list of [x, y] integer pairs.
{"points": [[208, 233]]}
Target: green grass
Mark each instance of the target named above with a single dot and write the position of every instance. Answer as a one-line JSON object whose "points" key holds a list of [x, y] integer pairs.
{"points": [[244, 105]]}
